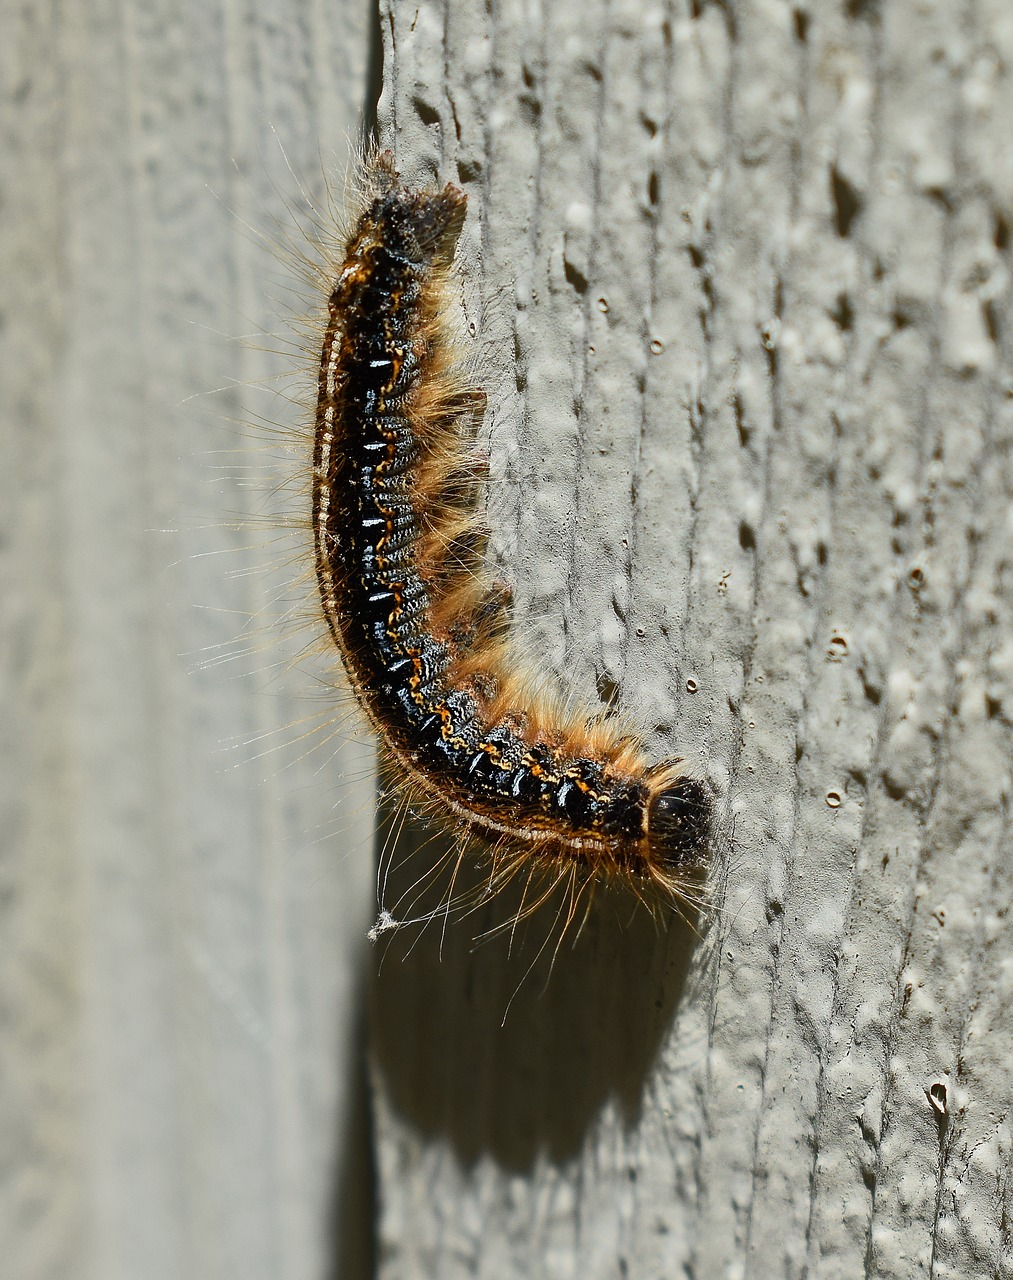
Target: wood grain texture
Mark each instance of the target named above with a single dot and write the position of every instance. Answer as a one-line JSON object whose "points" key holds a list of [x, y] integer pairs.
{"points": [[183, 906], [741, 281]]}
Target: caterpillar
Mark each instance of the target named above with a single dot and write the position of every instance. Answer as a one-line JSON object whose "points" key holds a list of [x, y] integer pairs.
{"points": [[422, 633]]}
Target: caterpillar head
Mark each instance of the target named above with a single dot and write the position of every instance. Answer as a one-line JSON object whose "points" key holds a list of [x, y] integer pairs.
{"points": [[678, 821]]}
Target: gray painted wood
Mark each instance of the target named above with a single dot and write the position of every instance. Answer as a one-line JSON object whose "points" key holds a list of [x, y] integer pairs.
{"points": [[741, 276], [774, 464], [185, 897]]}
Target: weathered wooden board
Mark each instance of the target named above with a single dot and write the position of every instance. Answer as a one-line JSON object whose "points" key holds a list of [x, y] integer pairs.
{"points": [[184, 900], [744, 275], [739, 277]]}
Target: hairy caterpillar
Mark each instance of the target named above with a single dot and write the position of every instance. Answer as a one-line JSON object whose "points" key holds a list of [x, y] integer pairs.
{"points": [[420, 632]]}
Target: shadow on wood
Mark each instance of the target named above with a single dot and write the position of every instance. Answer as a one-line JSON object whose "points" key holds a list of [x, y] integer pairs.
{"points": [[512, 1048], [351, 1248]]}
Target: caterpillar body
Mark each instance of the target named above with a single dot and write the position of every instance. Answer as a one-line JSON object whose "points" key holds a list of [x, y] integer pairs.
{"points": [[421, 634]]}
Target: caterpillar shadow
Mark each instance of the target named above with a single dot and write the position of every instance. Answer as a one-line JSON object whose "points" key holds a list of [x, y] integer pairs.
{"points": [[511, 1048]]}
